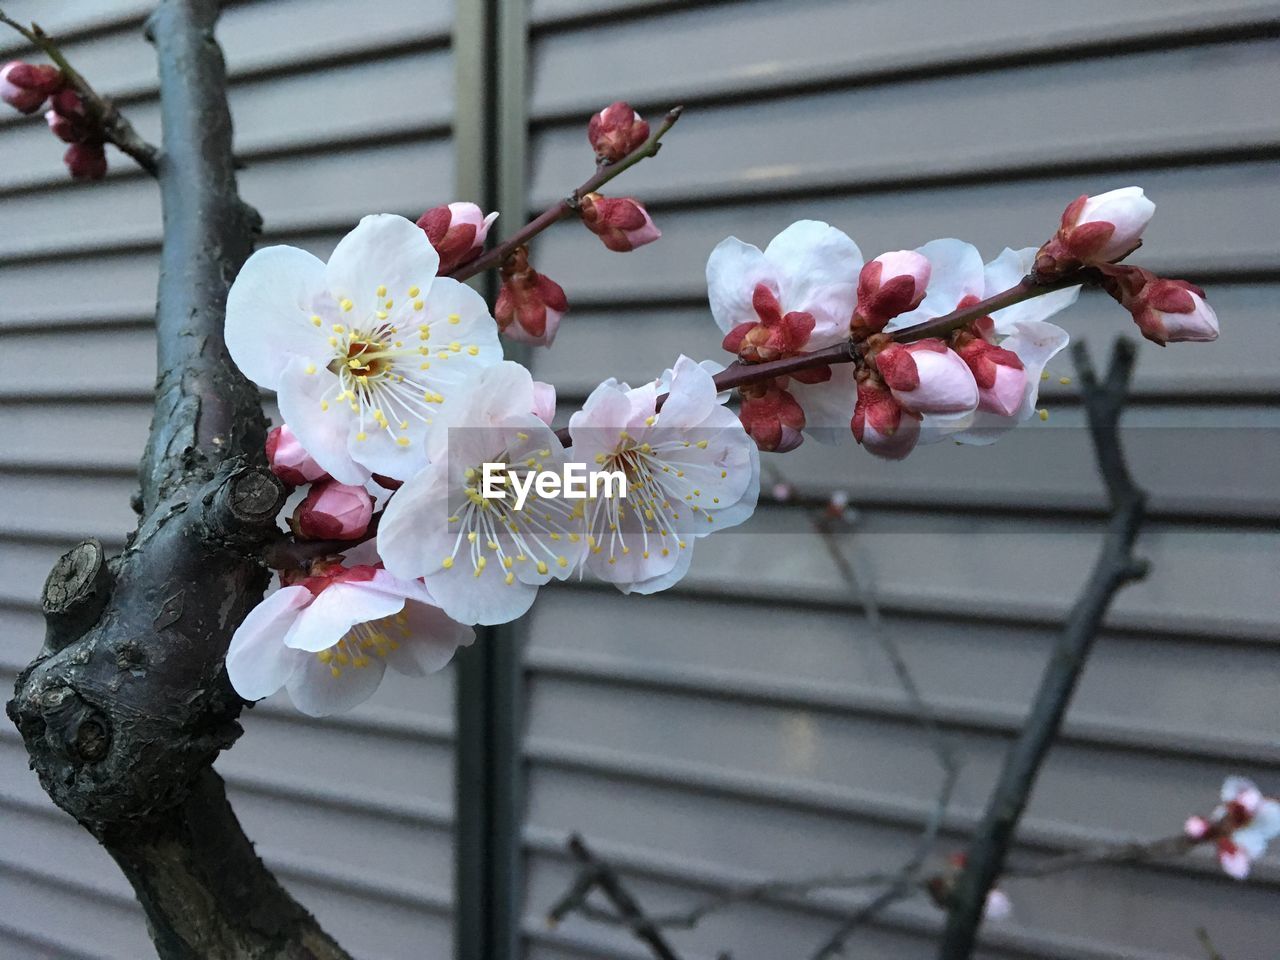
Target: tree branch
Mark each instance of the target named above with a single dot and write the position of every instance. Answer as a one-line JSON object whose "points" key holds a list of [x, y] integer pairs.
{"points": [[115, 127], [569, 205], [1115, 567], [127, 705]]}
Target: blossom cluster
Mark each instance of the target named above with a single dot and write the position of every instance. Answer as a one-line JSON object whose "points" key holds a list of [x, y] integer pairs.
{"points": [[28, 87], [1240, 827], [398, 405]]}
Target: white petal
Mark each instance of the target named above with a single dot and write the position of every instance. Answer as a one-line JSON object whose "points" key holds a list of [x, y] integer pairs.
{"points": [[811, 257], [669, 579], [733, 271], [956, 274], [384, 250], [1006, 271], [316, 692], [692, 396], [382, 452], [269, 310], [323, 431], [413, 536], [428, 640], [258, 662], [336, 610], [828, 407]]}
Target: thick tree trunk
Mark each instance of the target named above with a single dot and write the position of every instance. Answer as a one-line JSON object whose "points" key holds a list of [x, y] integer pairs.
{"points": [[127, 704]]}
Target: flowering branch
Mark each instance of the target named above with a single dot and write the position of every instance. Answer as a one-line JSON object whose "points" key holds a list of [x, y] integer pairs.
{"points": [[568, 205], [114, 126], [1116, 566]]}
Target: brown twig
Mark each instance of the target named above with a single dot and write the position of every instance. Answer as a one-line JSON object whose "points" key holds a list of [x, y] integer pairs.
{"points": [[568, 205], [115, 127], [1210, 950], [597, 874], [1115, 567]]}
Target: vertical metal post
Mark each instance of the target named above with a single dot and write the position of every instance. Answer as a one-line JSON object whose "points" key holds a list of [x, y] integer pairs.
{"points": [[489, 48]]}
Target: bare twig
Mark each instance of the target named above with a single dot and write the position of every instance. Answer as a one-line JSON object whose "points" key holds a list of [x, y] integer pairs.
{"points": [[1115, 567], [1211, 952], [568, 205], [603, 877], [859, 577], [115, 127]]}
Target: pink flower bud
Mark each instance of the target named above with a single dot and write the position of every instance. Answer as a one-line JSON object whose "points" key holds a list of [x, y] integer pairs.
{"points": [[772, 416], [544, 401], [529, 305], [67, 118], [999, 374], [26, 86], [458, 232], [928, 377], [891, 284], [333, 511], [881, 424], [615, 131], [621, 223], [86, 161], [1096, 230], [1166, 311], [1196, 828], [289, 461]]}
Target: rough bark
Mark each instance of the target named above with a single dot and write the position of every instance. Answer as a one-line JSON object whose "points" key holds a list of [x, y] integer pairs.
{"points": [[127, 703]]}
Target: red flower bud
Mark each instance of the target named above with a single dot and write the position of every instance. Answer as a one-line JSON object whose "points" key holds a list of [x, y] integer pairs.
{"points": [[891, 284], [26, 86], [333, 511], [620, 222], [67, 118], [772, 416], [529, 305], [1166, 311], [86, 161], [289, 461], [615, 131], [458, 232], [881, 424]]}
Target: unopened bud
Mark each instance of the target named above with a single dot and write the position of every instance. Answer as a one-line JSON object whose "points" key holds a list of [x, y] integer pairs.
{"points": [[621, 223], [891, 284], [999, 374], [67, 118], [26, 86], [615, 131], [1166, 311], [772, 416], [458, 232], [529, 305], [288, 459], [881, 424], [1095, 231], [86, 161], [927, 377], [333, 511]]}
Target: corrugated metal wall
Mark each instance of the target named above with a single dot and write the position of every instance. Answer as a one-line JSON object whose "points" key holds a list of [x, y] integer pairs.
{"points": [[743, 725]]}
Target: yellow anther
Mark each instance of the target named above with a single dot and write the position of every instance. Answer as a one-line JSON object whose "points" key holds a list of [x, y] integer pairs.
{"points": [[346, 304], [447, 563], [311, 368], [339, 328], [403, 441], [1064, 380], [509, 579], [562, 562], [1044, 414], [455, 318], [507, 562], [702, 444], [542, 566], [473, 350], [381, 291], [316, 321], [414, 291], [417, 304], [650, 420], [455, 346], [324, 404], [362, 435]]}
